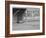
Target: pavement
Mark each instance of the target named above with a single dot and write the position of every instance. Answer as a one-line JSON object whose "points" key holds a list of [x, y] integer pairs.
{"points": [[32, 25]]}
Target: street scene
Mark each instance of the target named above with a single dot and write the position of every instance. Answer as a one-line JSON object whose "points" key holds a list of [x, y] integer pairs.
{"points": [[26, 19]]}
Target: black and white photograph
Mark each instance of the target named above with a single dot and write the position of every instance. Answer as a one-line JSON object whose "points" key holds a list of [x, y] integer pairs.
{"points": [[25, 18]]}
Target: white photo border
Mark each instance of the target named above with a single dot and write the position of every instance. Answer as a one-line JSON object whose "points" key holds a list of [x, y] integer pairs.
{"points": [[25, 6]]}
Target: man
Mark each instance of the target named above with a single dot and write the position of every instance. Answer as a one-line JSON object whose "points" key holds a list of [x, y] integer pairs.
{"points": [[18, 12]]}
